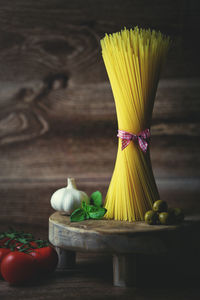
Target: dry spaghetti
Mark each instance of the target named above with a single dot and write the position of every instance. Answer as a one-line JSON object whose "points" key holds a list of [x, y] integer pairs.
{"points": [[133, 60]]}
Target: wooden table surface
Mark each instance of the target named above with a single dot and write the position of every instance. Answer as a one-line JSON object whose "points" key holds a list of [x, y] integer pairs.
{"points": [[92, 279]]}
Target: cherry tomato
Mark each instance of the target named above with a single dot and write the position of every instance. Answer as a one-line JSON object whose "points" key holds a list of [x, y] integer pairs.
{"points": [[18, 267], [3, 253], [46, 257]]}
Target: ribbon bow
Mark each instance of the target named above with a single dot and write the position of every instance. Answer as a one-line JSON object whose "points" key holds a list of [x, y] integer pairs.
{"points": [[142, 137]]}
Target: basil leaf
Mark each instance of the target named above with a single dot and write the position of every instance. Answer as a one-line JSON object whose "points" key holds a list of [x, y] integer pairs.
{"points": [[98, 214], [87, 216], [91, 208], [78, 215], [96, 198], [85, 208], [83, 205]]}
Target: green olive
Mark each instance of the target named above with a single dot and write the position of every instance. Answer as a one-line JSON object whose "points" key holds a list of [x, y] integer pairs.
{"points": [[177, 214], [151, 217], [160, 206], [165, 218]]}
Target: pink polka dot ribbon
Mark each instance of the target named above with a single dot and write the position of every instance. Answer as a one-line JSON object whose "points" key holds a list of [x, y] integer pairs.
{"points": [[142, 138]]}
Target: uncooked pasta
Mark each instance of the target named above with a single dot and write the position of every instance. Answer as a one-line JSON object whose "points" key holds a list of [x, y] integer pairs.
{"points": [[133, 60]]}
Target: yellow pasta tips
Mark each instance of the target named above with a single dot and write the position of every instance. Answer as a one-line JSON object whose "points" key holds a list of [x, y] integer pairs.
{"points": [[133, 60]]}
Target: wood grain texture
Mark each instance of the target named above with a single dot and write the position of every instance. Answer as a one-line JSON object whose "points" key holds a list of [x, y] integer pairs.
{"points": [[117, 236], [124, 270], [50, 54], [107, 227]]}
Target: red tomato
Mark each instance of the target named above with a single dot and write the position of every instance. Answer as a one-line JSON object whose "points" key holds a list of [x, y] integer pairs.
{"points": [[18, 267], [3, 253], [46, 257]]}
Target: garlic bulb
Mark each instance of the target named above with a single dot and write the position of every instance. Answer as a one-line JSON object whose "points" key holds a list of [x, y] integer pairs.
{"points": [[68, 199]]}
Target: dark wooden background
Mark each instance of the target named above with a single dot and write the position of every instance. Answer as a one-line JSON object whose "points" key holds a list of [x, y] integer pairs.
{"points": [[57, 114]]}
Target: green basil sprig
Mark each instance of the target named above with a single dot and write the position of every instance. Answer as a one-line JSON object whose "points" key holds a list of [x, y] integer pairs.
{"points": [[96, 199], [89, 211]]}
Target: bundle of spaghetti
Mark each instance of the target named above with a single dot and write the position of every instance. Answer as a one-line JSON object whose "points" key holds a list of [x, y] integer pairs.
{"points": [[133, 60]]}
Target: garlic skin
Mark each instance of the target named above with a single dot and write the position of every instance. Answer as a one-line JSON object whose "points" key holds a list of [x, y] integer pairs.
{"points": [[68, 199]]}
